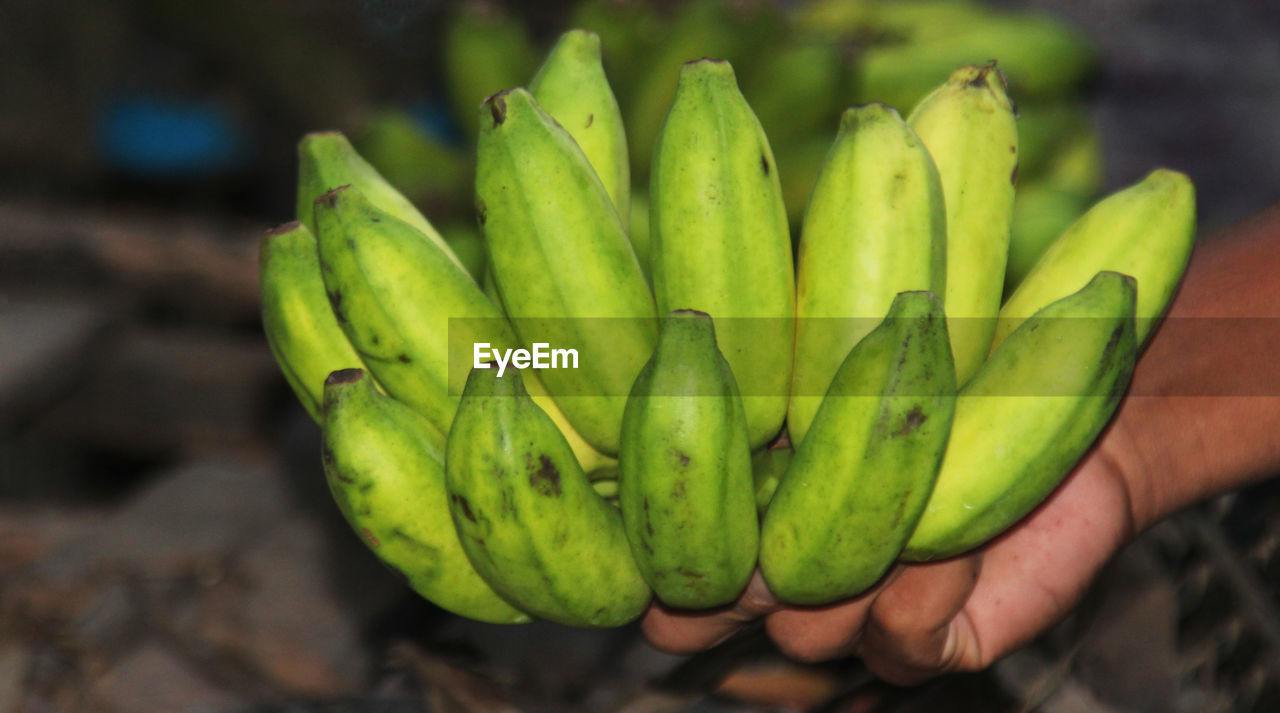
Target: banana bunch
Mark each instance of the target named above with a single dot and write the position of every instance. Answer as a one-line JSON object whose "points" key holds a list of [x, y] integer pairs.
{"points": [[608, 395]]}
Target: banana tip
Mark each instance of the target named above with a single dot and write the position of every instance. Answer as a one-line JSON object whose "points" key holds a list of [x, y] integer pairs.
{"points": [[344, 376], [282, 229], [497, 104], [329, 198], [689, 313]]}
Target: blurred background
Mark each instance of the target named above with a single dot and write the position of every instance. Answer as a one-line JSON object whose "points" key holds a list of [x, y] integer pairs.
{"points": [[167, 542]]}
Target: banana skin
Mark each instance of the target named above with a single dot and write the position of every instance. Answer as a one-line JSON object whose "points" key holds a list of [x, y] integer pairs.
{"points": [[684, 470], [302, 332], [572, 87], [969, 126], [562, 262], [410, 312], [719, 239], [529, 520], [1145, 231], [859, 482], [875, 227], [385, 468], [1029, 414], [327, 160]]}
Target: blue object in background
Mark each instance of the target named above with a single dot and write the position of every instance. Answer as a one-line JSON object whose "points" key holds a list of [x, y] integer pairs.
{"points": [[434, 119], [157, 137]]}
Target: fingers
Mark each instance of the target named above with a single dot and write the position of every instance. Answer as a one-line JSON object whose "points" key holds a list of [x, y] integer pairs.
{"points": [[1036, 573], [683, 631], [964, 614], [954, 615], [812, 634], [911, 631]]}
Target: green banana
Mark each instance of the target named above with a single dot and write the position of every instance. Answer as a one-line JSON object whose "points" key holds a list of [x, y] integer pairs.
{"points": [[831, 20], [684, 471], [860, 480], [702, 28], [326, 160], [891, 21], [1050, 201], [875, 226], [799, 166], [719, 240], [485, 50], [562, 261], [767, 470], [1047, 132], [795, 91], [528, 518], [1029, 414], [412, 314], [467, 243], [628, 29], [572, 88], [394, 293], [1041, 213], [385, 467], [301, 330], [639, 232], [425, 168], [968, 126], [606, 488], [1145, 230], [1041, 55]]}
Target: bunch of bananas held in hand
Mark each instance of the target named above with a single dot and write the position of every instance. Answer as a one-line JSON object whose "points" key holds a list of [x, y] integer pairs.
{"points": [[731, 405]]}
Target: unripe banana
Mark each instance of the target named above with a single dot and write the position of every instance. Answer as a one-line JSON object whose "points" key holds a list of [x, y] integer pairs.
{"points": [[798, 168], [1041, 55], [485, 50], [572, 88], [422, 165], [919, 21], [860, 480], [326, 160], [1145, 231], [628, 29], [719, 240], [684, 472], [1029, 414], [394, 293], [385, 467], [875, 226], [969, 127], [831, 20], [701, 28], [795, 91], [301, 329], [562, 262], [1040, 215], [528, 518], [767, 470], [1044, 131], [1045, 206], [639, 233], [409, 310], [467, 243]]}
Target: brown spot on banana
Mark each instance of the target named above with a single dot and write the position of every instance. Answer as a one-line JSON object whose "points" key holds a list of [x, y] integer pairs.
{"points": [[546, 479], [465, 506], [498, 107], [915, 418]]}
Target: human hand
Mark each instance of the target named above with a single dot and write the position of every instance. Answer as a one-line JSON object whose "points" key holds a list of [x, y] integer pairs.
{"points": [[959, 614]]}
